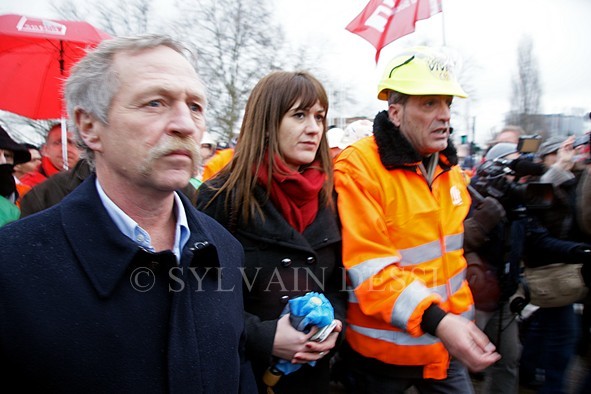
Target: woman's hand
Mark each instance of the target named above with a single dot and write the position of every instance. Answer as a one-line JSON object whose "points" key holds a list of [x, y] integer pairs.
{"points": [[296, 346], [288, 341], [314, 351]]}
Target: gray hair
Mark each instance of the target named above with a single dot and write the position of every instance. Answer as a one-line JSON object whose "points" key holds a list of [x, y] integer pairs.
{"points": [[93, 83], [395, 97]]}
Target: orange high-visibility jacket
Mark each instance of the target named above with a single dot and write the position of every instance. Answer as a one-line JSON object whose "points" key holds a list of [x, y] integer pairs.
{"points": [[216, 163], [402, 248]]}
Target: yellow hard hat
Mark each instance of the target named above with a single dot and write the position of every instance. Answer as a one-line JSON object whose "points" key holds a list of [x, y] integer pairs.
{"points": [[420, 71]]}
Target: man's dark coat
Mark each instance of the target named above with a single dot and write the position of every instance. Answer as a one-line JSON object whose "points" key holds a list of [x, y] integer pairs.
{"points": [[84, 309]]}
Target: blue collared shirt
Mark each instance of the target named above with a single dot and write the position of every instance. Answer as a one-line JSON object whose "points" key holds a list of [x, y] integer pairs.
{"points": [[133, 231]]}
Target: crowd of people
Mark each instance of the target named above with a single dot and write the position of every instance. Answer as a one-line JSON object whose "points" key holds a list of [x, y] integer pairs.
{"points": [[531, 229], [153, 260]]}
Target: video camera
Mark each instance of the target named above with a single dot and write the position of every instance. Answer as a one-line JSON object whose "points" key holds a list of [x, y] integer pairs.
{"points": [[502, 178]]}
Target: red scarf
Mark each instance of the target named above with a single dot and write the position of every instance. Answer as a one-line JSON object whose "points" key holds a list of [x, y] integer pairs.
{"points": [[48, 168], [44, 171], [295, 194]]}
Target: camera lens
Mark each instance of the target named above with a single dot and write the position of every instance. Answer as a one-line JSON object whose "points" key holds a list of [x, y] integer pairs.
{"points": [[517, 304]]}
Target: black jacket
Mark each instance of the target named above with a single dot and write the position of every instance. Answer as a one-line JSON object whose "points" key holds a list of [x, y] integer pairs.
{"points": [[84, 309], [280, 263], [50, 192]]}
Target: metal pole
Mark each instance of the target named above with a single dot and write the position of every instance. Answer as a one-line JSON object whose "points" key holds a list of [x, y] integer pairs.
{"points": [[443, 25], [63, 119]]}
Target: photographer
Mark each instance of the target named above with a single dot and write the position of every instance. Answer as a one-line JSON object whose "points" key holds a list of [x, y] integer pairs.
{"points": [[551, 337], [557, 155], [493, 253], [533, 234], [584, 186], [583, 215]]}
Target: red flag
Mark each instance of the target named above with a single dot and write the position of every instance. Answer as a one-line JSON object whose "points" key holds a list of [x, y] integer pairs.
{"points": [[383, 21]]}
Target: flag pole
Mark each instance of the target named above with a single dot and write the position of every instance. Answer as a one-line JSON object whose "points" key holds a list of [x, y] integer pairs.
{"points": [[443, 25]]}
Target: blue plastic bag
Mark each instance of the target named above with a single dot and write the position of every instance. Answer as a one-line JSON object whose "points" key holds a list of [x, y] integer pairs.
{"points": [[312, 309]]}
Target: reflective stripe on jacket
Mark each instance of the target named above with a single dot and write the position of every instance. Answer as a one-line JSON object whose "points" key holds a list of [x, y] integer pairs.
{"points": [[402, 248]]}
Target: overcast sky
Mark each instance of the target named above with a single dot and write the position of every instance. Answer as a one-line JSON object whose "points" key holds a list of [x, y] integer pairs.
{"points": [[485, 34]]}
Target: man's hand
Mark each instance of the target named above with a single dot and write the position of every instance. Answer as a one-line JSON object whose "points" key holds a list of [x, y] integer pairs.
{"points": [[566, 154], [464, 341], [488, 213]]}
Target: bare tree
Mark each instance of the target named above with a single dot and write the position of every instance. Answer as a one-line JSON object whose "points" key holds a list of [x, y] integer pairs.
{"points": [[233, 43], [115, 17], [68, 10], [526, 88], [237, 43]]}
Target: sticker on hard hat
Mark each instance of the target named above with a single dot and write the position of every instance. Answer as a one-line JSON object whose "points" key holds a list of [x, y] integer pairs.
{"points": [[439, 69]]}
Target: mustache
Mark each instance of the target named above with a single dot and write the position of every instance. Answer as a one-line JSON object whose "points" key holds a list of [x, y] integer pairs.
{"points": [[175, 144]]}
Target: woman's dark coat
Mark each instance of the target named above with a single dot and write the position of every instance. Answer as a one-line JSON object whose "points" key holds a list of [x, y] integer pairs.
{"points": [[280, 263]]}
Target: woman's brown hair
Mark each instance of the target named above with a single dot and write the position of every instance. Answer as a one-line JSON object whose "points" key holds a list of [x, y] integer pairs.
{"points": [[272, 97]]}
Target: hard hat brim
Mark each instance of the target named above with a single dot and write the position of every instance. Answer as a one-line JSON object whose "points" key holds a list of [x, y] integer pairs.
{"points": [[413, 88]]}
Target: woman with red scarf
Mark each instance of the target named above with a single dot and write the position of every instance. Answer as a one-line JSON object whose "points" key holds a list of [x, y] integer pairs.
{"points": [[275, 197]]}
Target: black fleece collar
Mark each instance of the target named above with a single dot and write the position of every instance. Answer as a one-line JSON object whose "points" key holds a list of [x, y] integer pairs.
{"points": [[395, 151]]}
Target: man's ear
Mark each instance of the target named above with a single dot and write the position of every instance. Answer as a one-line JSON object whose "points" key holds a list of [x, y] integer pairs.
{"points": [[89, 128], [395, 114]]}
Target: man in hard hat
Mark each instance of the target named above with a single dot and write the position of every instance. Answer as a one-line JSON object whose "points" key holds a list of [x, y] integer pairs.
{"points": [[402, 201], [335, 137], [207, 149]]}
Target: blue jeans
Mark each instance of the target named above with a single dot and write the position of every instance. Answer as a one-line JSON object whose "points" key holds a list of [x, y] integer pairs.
{"points": [[549, 344]]}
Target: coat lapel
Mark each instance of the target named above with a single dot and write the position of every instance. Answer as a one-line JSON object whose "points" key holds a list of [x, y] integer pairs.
{"points": [[100, 248]]}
